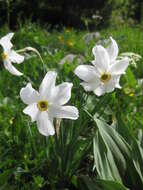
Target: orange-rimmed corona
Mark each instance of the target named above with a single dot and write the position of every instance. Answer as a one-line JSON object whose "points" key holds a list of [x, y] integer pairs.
{"points": [[42, 105], [4, 56], [105, 77]]}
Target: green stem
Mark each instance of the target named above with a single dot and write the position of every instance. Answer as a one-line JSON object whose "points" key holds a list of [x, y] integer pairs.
{"points": [[99, 103], [27, 78], [27, 49], [89, 114], [32, 141]]}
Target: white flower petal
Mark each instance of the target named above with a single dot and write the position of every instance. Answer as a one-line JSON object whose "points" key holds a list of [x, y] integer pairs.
{"points": [[118, 86], [62, 93], [109, 86], [117, 83], [86, 72], [90, 86], [102, 59], [48, 84], [11, 68], [5, 42], [68, 112], [29, 95], [97, 69], [112, 50], [32, 111], [112, 84], [99, 91], [15, 57], [119, 66], [45, 124]]}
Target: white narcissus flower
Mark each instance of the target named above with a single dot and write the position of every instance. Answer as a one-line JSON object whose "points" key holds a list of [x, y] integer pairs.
{"points": [[10, 56], [104, 75], [48, 103]]}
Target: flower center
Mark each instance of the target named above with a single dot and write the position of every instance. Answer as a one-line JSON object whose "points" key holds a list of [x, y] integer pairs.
{"points": [[42, 105], [3, 55], [105, 77]]}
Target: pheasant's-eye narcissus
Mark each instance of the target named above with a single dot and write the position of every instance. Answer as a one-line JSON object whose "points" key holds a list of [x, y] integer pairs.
{"points": [[104, 75], [10, 56], [48, 103]]}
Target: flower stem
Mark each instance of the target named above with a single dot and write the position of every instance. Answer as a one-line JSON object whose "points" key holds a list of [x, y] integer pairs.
{"points": [[27, 49], [32, 141]]}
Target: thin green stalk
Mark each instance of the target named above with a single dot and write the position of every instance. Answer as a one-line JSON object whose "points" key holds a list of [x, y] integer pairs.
{"points": [[27, 78], [31, 49], [32, 140], [97, 105]]}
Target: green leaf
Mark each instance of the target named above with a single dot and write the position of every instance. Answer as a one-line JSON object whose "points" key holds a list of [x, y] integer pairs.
{"points": [[98, 184], [131, 78], [4, 177], [110, 152], [135, 161], [85, 183], [111, 185], [138, 158]]}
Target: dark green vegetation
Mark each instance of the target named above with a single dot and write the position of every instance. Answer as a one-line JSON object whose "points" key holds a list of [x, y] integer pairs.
{"points": [[79, 14], [102, 150]]}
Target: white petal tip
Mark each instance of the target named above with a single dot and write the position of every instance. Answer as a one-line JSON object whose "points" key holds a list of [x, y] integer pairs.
{"points": [[48, 134], [76, 70], [9, 35], [127, 59], [22, 59], [25, 112], [70, 84], [98, 94], [20, 74], [76, 114], [85, 86], [118, 87]]}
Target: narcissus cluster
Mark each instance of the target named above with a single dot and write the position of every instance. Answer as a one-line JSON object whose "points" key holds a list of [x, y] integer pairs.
{"points": [[103, 76]]}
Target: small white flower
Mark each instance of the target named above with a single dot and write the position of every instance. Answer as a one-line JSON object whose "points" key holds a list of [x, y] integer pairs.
{"points": [[104, 75], [9, 55], [133, 57], [48, 103]]}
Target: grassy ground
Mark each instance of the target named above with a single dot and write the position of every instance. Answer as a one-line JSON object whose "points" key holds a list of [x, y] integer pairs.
{"points": [[31, 161]]}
